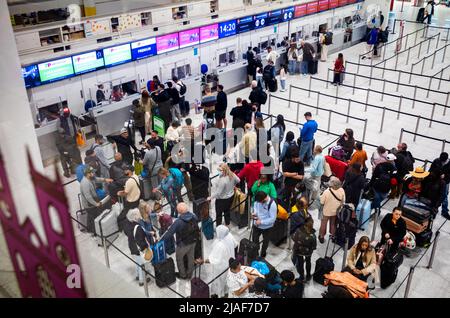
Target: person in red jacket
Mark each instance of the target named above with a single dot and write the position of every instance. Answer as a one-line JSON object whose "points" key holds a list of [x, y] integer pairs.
{"points": [[339, 168], [339, 70], [251, 172]]}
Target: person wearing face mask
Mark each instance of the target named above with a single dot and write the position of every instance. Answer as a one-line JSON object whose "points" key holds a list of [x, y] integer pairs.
{"points": [[361, 260], [223, 193], [393, 229]]}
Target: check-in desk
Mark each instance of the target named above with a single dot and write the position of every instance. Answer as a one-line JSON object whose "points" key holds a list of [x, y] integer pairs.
{"points": [[46, 135], [193, 89], [233, 76], [112, 117]]}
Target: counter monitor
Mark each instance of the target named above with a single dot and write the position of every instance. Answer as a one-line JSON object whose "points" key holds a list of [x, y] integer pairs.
{"points": [[88, 62], [143, 49], [167, 43], [56, 70], [117, 55]]}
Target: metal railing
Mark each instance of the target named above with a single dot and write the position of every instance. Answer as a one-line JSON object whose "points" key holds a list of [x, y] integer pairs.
{"points": [[423, 60], [415, 134], [428, 26]]}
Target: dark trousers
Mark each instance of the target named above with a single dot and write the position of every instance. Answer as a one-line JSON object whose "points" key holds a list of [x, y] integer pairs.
{"points": [[92, 214], [257, 232], [142, 132], [337, 79], [288, 193], [184, 109], [360, 276], [300, 262], [223, 208], [127, 206]]}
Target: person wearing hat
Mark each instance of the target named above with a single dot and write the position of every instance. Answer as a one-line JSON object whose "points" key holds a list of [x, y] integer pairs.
{"points": [[413, 185], [89, 198], [381, 180], [69, 153], [123, 143], [100, 154], [131, 193]]}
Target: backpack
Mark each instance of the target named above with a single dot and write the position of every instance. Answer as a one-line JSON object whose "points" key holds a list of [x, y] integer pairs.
{"points": [[178, 177], [264, 97], [337, 152], [383, 183], [408, 162], [329, 38], [345, 215], [268, 73], [190, 232], [79, 171], [183, 89]]}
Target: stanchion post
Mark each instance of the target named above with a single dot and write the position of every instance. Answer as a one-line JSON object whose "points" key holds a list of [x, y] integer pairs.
{"points": [[444, 142], [400, 107], [269, 110], [310, 84], [145, 281], [298, 112], [414, 98], [318, 101], [375, 224], [290, 98], [432, 114], [398, 81], [329, 121], [417, 127], [384, 89], [420, 49], [382, 119], [429, 43], [371, 72], [445, 52], [408, 283], [407, 57], [401, 136], [423, 66], [415, 40], [288, 234], [105, 250], [367, 99], [348, 110], [384, 51], [337, 93], [446, 103], [354, 83], [249, 212], [438, 40], [440, 79], [410, 73], [433, 251], [359, 63], [406, 41], [344, 258], [365, 130], [429, 87], [396, 61]]}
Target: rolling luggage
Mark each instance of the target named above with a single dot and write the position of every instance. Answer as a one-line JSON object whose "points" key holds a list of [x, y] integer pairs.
{"points": [[199, 289], [389, 268], [273, 85], [313, 67], [146, 188], [165, 221], [416, 211], [248, 250], [159, 253], [424, 239], [201, 208], [414, 226], [420, 15], [324, 266], [82, 220], [106, 227], [208, 228], [363, 214], [278, 234], [238, 212], [165, 273]]}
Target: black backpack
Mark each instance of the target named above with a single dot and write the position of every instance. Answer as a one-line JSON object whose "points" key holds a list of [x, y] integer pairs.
{"points": [[189, 234], [329, 38], [264, 97], [268, 73], [408, 162], [183, 89], [345, 214], [383, 183]]}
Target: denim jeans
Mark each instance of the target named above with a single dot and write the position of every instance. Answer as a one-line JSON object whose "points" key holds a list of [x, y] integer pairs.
{"points": [[283, 84], [304, 67], [379, 197], [139, 272], [306, 150], [445, 200], [292, 66]]}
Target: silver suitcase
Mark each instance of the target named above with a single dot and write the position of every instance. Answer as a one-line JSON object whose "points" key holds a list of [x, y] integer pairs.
{"points": [[106, 227], [146, 188]]}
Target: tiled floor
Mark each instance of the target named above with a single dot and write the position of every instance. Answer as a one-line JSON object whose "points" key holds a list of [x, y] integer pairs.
{"points": [[118, 280]]}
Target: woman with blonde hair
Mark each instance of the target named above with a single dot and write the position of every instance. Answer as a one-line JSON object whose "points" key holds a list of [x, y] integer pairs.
{"points": [[146, 223], [331, 200], [223, 192]]}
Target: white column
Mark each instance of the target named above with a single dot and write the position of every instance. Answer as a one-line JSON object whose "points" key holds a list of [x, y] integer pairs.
{"points": [[16, 125]]}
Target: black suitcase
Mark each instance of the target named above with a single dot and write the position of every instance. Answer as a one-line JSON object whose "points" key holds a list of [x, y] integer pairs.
{"points": [[337, 292], [313, 67], [201, 208], [241, 220], [273, 85], [199, 289], [416, 213], [420, 15], [165, 273], [324, 266], [424, 239], [278, 233], [248, 250], [389, 269]]}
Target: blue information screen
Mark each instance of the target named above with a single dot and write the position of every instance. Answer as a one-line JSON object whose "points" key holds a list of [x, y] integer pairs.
{"points": [[261, 20], [144, 48], [227, 29], [288, 13], [245, 24], [275, 17], [30, 75]]}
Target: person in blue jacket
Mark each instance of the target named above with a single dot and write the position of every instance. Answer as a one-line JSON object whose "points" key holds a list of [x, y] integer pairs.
{"points": [[264, 216], [307, 138]]}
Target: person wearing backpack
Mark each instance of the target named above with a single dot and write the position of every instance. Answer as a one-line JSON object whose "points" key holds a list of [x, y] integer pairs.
{"points": [[381, 180], [182, 90], [269, 76], [331, 200], [289, 146], [131, 193], [257, 96], [167, 187], [264, 216], [305, 243], [187, 234], [404, 162], [354, 183]]}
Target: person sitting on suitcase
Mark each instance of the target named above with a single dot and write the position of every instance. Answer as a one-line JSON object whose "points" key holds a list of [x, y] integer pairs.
{"points": [[393, 229], [361, 260], [238, 280], [292, 287], [264, 216]]}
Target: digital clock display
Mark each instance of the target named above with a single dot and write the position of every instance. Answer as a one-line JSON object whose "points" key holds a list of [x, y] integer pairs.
{"points": [[227, 29]]}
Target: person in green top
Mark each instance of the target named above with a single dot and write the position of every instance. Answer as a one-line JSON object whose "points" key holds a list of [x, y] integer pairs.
{"points": [[265, 185]]}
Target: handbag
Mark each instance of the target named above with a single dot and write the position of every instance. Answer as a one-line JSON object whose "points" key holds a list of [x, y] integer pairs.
{"points": [[146, 254], [238, 199]]}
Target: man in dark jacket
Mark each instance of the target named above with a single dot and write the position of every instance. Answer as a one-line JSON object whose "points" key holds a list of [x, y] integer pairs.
{"points": [[441, 167], [251, 67], [69, 153], [162, 98], [381, 180], [308, 56], [139, 118], [405, 161], [117, 174], [257, 96], [221, 108], [175, 96], [200, 181], [124, 144], [187, 234]]}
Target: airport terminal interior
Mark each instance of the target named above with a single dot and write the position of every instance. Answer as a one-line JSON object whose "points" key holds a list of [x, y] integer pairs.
{"points": [[116, 112]]}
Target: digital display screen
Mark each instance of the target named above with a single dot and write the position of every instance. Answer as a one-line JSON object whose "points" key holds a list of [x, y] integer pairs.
{"points": [[333, 4], [288, 13], [209, 33], [88, 62], [351, 1], [167, 43], [275, 17], [323, 5], [143, 49], [245, 24], [30, 75], [343, 3], [117, 55], [227, 29], [189, 38], [312, 7], [300, 11], [261, 20], [56, 70]]}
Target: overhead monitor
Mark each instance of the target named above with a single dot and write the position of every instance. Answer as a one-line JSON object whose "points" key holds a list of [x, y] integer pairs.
{"points": [[56, 70], [209, 33], [30, 75], [275, 17], [144, 48], [88, 62], [167, 43], [300, 11], [260, 20], [227, 29], [189, 37], [288, 14], [245, 24], [117, 55]]}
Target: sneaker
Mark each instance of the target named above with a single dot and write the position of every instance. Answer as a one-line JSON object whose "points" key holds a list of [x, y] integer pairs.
{"points": [[321, 240], [308, 277], [446, 215], [142, 283]]}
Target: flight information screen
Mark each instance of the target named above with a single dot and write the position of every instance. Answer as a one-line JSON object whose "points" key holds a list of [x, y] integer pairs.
{"points": [[117, 55], [143, 49], [245, 24], [227, 29], [56, 70], [88, 62], [30, 75], [260, 20], [167, 43], [189, 38], [209, 33]]}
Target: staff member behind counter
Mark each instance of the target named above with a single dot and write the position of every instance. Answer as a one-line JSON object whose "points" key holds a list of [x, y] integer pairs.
{"points": [[100, 95]]}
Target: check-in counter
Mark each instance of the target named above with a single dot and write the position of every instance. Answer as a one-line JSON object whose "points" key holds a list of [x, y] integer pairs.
{"points": [[46, 135], [193, 89], [112, 117], [233, 76], [359, 32]]}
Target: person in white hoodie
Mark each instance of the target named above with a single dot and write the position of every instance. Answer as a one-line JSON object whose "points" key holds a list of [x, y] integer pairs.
{"points": [[173, 135]]}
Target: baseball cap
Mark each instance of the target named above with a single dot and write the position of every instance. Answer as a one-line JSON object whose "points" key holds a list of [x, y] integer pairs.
{"points": [[89, 169], [391, 157]]}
